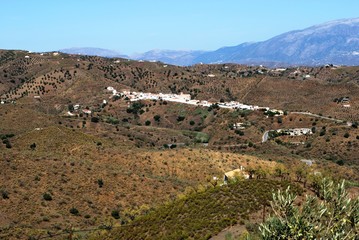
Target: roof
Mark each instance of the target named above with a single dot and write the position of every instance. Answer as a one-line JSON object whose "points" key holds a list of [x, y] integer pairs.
{"points": [[234, 173]]}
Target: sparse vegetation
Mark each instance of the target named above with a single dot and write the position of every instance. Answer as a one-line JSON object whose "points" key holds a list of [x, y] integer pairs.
{"points": [[186, 218], [132, 156]]}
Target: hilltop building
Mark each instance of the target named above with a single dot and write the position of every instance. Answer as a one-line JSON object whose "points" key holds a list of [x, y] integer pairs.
{"points": [[236, 173]]}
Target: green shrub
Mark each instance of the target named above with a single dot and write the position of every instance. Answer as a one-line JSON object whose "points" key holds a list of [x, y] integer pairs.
{"points": [[100, 182], [112, 120], [33, 146], [180, 118], [95, 119], [340, 162], [74, 211], [115, 214], [47, 196], [157, 118], [239, 132], [4, 194]]}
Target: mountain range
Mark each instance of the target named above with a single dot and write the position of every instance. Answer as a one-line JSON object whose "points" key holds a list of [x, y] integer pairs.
{"points": [[335, 42]]}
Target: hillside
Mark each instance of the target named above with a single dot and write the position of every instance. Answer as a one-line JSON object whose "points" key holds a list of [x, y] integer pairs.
{"points": [[203, 214], [74, 151]]}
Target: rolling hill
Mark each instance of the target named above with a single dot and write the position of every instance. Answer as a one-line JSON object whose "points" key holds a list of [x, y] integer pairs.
{"points": [[71, 160]]}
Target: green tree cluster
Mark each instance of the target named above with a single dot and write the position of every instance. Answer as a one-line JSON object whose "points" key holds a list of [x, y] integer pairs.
{"points": [[334, 215]]}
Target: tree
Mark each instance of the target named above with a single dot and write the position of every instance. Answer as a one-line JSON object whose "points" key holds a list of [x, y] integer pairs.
{"points": [[100, 182], [74, 211], [47, 196], [301, 172], [7, 143], [115, 214], [180, 118], [71, 108], [33, 146], [157, 118], [95, 119], [335, 217]]}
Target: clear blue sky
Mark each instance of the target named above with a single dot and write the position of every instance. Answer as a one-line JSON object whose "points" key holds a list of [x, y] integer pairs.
{"points": [[131, 26]]}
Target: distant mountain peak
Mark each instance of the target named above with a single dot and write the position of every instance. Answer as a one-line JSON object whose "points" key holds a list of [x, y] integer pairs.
{"points": [[334, 42], [92, 51]]}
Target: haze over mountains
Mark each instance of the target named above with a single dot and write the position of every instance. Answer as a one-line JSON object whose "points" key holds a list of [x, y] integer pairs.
{"points": [[93, 52], [335, 42]]}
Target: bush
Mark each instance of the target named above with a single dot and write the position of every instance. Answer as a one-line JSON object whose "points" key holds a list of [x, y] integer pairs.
{"points": [[192, 123], [95, 119], [112, 120], [136, 108], [74, 211], [180, 118], [346, 135], [340, 162], [100, 182], [115, 214], [4, 194], [148, 123], [47, 196], [70, 107], [239, 132], [33, 146], [157, 118]]}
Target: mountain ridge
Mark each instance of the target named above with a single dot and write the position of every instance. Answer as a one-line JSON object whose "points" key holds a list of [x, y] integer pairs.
{"points": [[335, 42]]}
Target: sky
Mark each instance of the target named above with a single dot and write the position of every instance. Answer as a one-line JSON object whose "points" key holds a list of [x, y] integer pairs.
{"points": [[135, 26]]}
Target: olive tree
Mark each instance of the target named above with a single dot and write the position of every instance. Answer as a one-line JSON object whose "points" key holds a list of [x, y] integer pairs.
{"points": [[334, 215]]}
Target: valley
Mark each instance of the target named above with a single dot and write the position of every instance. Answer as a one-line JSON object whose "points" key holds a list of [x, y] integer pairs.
{"points": [[111, 143]]}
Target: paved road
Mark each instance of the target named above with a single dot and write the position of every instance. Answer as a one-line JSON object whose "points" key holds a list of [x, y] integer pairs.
{"points": [[319, 116]]}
